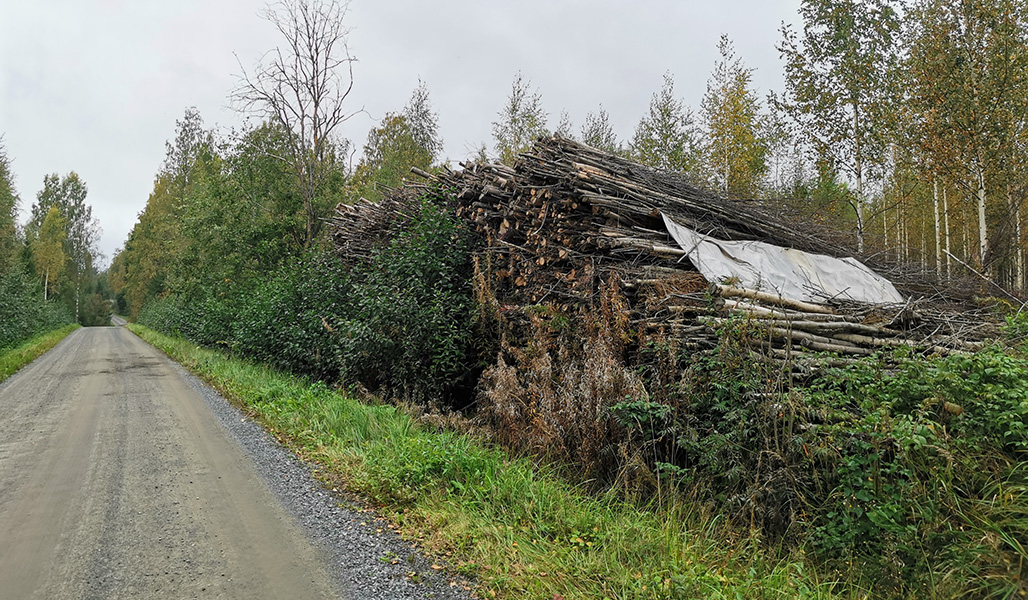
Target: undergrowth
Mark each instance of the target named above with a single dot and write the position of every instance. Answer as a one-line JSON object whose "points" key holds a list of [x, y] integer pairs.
{"points": [[519, 530], [900, 475], [13, 359]]}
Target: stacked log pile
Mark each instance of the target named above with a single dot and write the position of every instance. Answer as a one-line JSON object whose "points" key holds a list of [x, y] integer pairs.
{"points": [[566, 218]]}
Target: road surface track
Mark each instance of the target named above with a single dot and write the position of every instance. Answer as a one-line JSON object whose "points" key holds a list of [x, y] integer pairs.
{"points": [[117, 482]]}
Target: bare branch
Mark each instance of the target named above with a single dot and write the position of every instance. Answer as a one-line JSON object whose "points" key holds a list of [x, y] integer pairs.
{"points": [[303, 87]]}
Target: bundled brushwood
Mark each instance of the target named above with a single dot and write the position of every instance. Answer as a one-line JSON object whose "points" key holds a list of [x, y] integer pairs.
{"points": [[359, 229], [566, 214], [566, 218]]}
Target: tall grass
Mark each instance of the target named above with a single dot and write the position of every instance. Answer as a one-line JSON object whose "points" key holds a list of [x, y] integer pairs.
{"points": [[518, 529]]}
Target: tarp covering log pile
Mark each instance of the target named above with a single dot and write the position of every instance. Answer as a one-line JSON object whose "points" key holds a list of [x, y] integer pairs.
{"points": [[567, 219]]}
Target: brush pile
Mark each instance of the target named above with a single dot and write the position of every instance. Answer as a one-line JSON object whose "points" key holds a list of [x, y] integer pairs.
{"points": [[567, 218]]}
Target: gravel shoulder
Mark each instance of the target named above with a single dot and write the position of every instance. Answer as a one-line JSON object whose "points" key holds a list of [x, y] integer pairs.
{"points": [[122, 476]]}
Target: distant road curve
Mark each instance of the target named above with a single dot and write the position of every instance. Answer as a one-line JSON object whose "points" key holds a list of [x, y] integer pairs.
{"points": [[118, 321]]}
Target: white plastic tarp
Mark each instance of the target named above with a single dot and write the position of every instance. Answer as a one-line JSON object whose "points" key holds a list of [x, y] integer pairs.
{"points": [[792, 274]]}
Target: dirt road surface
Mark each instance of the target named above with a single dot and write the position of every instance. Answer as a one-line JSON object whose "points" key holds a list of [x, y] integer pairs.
{"points": [[116, 481]]}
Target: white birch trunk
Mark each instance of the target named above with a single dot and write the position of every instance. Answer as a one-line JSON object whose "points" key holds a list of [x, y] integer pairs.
{"points": [[860, 181], [945, 224], [983, 234], [938, 230], [1018, 247]]}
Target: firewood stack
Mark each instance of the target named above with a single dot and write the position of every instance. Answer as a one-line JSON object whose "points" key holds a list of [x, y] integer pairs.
{"points": [[567, 217]]}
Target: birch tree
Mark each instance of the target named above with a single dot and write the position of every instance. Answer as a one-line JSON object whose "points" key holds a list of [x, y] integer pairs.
{"points": [[303, 86], [666, 137], [401, 141], [734, 148], [423, 122], [47, 249], [521, 120], [968, 63], [68, 195], [598, 132], [841, 85]]}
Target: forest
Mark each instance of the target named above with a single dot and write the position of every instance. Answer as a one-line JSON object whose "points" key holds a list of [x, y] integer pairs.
{"points": [[901, 135]]}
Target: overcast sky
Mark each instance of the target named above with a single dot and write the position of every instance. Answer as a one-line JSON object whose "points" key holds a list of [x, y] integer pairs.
{"points": [[95, 86]]}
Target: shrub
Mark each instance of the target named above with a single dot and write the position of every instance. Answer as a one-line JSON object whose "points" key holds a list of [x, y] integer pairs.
{"points": [[166, 314], [24, 313], [95, 311], [285, 320], [408, 326]]}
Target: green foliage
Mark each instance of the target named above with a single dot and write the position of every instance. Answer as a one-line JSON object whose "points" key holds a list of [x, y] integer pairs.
{"points": [[842, 82], [520, 122], [284, 321], [423, 123], [154, 255], [666, 137], [47, 248], [401, 321], [68, 195], [8, 214], [409, 324], [965, 75], [207, 318], [390, 152], [1015, 329], [23, 312], [599, 133], [231, 212], [95, 311], [735, 149], [886, 477], [165, 315]]}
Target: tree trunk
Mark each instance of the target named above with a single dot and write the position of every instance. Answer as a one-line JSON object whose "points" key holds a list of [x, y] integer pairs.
{"points": [[46, 284], [938, 230], [945, 224], [983, 239], [859, 205], [885, 229], [901, 250], [924, 247], [1018, 248], [965, 235]]}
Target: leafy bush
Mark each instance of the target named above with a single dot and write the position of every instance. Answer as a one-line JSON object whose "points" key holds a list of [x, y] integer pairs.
{"points": [[95, 311], [285, 320], [409, 321], [206, 318], [890, 467], [166, 314], [24, 313], [400, 321]]}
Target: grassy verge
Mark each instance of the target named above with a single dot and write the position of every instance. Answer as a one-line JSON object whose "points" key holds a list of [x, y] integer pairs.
{"points": [[519, 530], [13, 359]]}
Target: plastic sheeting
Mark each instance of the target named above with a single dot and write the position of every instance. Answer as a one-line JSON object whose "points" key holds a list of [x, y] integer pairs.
{"points": [[789, 273]]}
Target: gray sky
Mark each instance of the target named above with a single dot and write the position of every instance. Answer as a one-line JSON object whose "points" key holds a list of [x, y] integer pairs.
{"points": [[95, 86]]}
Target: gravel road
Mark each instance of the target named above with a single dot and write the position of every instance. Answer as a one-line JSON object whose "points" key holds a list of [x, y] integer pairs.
{"points": [[122, 476]]}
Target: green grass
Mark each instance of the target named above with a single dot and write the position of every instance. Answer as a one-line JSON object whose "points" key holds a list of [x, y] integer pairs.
{"points": [[518, 529], [13, 359]]}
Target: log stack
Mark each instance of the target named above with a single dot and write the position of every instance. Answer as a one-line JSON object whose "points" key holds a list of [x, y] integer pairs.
{"points": [[566, 218]]}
